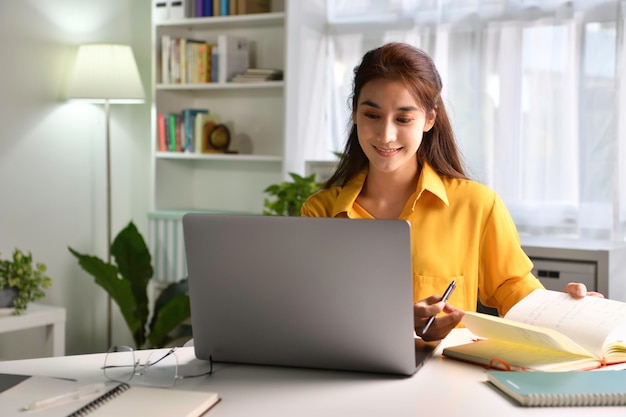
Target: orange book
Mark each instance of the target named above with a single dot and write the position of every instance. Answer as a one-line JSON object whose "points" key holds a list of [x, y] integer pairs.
{"points": [[202, 58], [161, 144]]}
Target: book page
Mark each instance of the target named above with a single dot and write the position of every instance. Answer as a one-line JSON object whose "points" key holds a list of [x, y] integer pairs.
{"points": [[588, 321], [519, 357], [521, 334]]}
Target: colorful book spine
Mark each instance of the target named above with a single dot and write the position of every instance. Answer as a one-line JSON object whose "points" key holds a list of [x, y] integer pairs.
{"points": [[172, 132], [182, 50], [166, 76], [214, 63], [161, 145], [179, 133], [207, 8], [203, 62], [189, 129], [232, 7]]}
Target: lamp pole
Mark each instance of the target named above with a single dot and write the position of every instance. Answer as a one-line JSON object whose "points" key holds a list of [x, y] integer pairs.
{"points": [[106, 72], [107, 111]]}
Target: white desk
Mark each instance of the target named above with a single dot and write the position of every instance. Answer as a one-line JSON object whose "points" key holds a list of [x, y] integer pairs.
{"points": [[36, 315], [442, 388]]}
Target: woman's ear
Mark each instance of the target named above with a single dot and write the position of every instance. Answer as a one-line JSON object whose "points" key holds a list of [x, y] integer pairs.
{"points": [[430, 120]]}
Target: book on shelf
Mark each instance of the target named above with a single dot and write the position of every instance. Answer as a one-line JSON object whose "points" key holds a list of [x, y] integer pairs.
{"points": [[181, 49], [254, 75], [253, 6], [224, 8], [166, 123], [547, 331], [161, 133], [52, 397], [195, 58], [215, 58], [232, 7], [173, 132], [201, 67], [233, 56], [185, 60], [204, 124], [174, 60], [164, 56], [189, 123], [207, 7], [562, 389], [164, 10]]}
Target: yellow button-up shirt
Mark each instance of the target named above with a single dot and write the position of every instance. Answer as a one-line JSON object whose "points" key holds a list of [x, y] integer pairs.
{"points": [[460, 230]]}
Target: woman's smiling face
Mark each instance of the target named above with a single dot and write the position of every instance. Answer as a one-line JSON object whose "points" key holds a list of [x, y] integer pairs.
{"points": [[390, 125]]}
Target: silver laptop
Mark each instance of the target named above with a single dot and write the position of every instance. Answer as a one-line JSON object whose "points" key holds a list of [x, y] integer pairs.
{"points": [[306, 292]]}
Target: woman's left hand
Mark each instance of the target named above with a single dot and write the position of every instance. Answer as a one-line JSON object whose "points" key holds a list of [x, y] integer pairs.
{"points": [[578, 290]]}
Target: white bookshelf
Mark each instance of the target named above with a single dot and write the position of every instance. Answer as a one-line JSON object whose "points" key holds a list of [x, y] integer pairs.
{"points": [[272, 123], [253, 112]]}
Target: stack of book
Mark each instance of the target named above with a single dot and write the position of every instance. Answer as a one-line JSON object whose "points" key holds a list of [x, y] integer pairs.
{"points": [[179, 9], [191, 61], [254, 75]]}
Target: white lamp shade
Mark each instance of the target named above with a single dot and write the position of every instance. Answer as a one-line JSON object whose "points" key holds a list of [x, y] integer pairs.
{"points": [[106, 72]]}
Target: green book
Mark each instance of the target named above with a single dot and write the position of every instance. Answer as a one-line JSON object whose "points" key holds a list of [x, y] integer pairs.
{"points": [[562, 389]]}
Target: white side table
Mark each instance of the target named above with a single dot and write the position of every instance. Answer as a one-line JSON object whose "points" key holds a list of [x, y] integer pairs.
{"points": [[37, 315]]}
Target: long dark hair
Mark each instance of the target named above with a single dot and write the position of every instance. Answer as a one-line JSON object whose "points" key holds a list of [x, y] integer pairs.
{"points": [[413, 67]]}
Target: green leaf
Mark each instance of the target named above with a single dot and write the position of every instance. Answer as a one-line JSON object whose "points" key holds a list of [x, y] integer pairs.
{"points": [[135, 266], [289, 195], [172, 290], [27, 279], [170, 316], [119, 289]]}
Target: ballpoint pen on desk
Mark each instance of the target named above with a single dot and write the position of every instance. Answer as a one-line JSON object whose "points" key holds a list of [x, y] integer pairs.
{"points": [[78, 394], [444, 297]]}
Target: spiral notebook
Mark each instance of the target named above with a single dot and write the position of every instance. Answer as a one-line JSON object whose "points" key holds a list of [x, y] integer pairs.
{"points": [[562, 389], [114, 400]]}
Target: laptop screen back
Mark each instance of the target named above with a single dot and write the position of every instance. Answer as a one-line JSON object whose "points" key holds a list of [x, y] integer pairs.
{"points": [[307, 292]]}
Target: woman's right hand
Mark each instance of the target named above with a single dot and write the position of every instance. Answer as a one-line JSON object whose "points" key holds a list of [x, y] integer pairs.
{"points": [[442, 325]]}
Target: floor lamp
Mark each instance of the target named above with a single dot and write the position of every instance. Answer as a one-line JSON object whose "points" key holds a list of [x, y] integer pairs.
{"points": [[108, 74]]}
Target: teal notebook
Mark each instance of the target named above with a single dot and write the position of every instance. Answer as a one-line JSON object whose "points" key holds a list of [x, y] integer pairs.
{"points": [[562, 389]]}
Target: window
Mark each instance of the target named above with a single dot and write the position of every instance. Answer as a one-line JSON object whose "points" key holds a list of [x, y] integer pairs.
{"points": [[533, 92]]}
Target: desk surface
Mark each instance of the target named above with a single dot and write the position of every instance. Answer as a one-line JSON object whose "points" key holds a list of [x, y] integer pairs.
{"points": [[443, 387]]}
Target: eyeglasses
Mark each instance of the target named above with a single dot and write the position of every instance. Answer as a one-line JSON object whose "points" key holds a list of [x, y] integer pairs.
{"points": [[159, 370]]}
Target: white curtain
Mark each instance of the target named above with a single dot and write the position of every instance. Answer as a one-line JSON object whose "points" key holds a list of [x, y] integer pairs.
{"points": [[534, 90]]}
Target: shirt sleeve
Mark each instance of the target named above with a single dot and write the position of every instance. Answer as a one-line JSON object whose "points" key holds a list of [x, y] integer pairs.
{"points": [[313, 207], [505, 275]]}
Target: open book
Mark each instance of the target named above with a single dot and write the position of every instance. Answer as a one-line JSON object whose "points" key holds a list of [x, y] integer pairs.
{"points": [[548, 331]]}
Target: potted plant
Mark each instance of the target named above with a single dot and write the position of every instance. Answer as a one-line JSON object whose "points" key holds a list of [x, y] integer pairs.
{"points": [[126, 281], [289, 195], [21, 281]]}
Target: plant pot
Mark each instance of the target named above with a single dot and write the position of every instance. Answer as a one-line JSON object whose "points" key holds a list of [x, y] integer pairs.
{"points": [[7, 296]]}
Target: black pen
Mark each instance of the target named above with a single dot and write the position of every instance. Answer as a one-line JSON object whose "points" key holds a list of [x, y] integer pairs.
{"points": [[444, 297]]}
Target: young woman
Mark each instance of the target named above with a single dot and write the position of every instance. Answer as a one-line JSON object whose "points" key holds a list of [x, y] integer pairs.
{"points": [[401, 162]]}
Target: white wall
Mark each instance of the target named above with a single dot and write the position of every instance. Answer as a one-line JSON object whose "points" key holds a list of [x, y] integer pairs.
{"points": [[52, 159]]}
